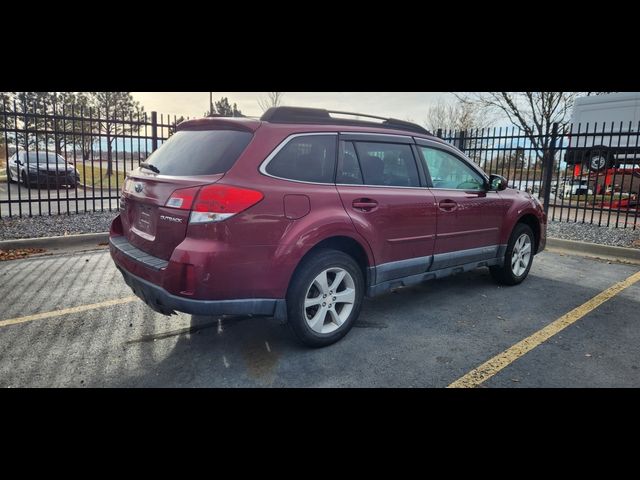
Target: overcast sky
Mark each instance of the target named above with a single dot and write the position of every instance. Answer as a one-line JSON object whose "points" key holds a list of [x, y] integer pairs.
{"points": [[402, 105]]}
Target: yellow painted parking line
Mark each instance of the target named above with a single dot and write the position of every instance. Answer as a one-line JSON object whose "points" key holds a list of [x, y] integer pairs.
{"points": [[66, 311], [488, 369]]}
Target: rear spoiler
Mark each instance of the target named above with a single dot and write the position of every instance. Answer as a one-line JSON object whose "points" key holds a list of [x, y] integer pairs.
{"points": [[220, 123]]}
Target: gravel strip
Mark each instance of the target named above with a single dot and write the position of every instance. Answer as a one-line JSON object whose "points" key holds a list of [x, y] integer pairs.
{"points": [[55, 225], [584, 232], [96, 222]]}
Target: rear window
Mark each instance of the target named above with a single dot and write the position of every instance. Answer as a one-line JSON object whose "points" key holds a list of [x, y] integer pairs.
{"points": [[309, 158], [199, 152]]}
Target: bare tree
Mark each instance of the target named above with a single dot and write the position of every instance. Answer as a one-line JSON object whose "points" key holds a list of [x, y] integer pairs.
{"points": [[273, 99], [114, 107], [533, 112], [5, 118], [460, 116]]}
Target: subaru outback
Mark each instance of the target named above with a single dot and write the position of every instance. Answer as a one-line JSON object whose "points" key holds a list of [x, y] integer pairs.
{"points": [[302, 213]]}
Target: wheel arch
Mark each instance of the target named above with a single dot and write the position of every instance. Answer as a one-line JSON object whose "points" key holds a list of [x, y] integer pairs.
{"points": [[532, 222], [346, 244]]}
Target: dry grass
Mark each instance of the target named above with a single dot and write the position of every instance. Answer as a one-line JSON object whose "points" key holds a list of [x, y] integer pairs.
{"points": [[18, 253], [92, 176]]}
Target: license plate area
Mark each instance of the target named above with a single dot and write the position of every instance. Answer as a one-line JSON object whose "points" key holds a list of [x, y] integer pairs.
{"points": [[145, 221]]}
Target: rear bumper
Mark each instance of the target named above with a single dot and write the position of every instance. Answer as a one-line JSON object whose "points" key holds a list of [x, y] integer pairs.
{"points": [[167, 303], [163, 302]]}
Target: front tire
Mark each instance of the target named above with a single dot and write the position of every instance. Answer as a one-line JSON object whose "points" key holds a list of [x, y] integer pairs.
{"points": [[518, 258], [25, 181], [324, 297]]}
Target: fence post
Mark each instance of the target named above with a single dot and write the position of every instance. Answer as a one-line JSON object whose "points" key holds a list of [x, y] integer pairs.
{"points": [[154, 131], [462, 141], [547, 166], [439, 133]]}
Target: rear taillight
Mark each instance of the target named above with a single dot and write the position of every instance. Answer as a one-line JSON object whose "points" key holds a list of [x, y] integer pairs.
{"points": [[215, 203], [183, 198]]}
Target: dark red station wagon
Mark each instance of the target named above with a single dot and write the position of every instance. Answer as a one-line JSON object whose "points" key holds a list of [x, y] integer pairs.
{"points": [[302, 213]]}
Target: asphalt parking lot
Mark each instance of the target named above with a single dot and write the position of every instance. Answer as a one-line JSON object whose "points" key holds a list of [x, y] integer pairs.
{"points": [[68, 320]]}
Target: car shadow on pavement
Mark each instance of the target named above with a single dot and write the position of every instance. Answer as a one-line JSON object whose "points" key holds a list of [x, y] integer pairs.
{"points": [[210, 350]]}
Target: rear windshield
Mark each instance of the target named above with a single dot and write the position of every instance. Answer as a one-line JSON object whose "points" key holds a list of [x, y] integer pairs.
{"points": [[199, 152]]}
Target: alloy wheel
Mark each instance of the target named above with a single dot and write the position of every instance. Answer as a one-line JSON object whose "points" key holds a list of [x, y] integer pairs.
{"points": [[329, 300], [521, 255]]}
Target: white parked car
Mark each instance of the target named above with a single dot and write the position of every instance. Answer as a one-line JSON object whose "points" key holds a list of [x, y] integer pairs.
{"points": [[611, 124], [575, 188]]}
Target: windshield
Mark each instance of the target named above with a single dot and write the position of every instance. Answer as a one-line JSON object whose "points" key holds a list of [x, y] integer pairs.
{"points": [[43, 158], [199, 152]]}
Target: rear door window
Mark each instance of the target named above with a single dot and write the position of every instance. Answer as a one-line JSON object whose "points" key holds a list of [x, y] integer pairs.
{"points": [[387, 164], [348, 166], [308, 158], [199, 152]]}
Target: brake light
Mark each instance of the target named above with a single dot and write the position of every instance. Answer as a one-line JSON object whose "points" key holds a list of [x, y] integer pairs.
{"points": [[183, 198], [216, 203]]}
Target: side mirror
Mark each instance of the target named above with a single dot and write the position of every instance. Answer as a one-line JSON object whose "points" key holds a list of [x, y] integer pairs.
{"points": [[497, 183]]}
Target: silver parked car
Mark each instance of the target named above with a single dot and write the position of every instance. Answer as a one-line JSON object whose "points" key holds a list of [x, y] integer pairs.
{"points": [[42, 168]]}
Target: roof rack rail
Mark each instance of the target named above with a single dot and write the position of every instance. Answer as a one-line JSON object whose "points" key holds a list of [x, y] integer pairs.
{"points": [[322, 116]]}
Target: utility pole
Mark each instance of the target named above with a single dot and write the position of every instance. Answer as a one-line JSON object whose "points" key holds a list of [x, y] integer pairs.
{"points": [[210, 103]]}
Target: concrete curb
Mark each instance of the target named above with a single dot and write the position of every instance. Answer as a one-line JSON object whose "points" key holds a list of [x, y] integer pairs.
{"points": [[584, 249], [86, 240], [571, 247]]}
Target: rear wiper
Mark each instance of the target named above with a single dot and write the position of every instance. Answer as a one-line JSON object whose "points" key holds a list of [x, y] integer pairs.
{"points": [[148, 166]]}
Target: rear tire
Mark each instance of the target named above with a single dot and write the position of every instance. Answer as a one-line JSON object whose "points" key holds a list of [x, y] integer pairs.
{"points": [[324, 297], [518, 258]]}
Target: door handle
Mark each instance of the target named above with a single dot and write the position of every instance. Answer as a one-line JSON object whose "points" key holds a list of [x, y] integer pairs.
{"points": [[447, 205], [364, 204]]}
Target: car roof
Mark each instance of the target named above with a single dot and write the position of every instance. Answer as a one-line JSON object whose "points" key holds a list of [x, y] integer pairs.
{"points": [[319, 116], [302, 120]]}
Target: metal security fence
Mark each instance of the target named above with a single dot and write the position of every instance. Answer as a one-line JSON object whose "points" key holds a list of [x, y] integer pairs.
{"points": [[73, 160], [587, 173], [581, 173]]}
